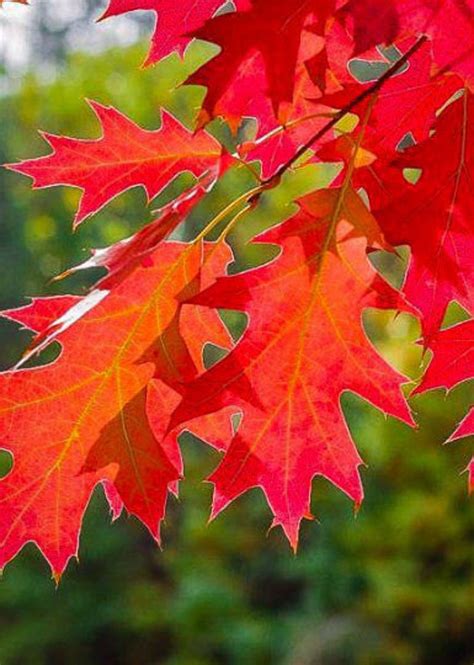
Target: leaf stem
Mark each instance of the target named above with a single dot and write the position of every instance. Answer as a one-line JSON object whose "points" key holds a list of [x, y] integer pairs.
{"points": [[217, 219]]}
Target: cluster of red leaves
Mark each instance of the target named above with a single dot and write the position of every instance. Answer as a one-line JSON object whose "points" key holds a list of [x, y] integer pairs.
{"points": [[130, 376]]}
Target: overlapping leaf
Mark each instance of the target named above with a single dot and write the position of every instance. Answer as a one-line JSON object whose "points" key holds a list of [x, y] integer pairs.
{"points": [[435, 216], [405, 105], [259, 45], [263, 42], [131, 374], [453, 361], [92, 415], [450, 25], [303, 348]]}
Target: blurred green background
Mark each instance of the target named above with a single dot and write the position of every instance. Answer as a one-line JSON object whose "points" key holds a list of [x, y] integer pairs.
{"points": [[394, 586]]}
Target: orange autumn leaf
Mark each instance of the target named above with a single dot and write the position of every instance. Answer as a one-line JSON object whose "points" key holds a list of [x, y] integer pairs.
{"points": [[87, 411]]}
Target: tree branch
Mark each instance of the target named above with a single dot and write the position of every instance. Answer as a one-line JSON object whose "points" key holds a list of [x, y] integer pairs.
{"points": [[375, 87]]}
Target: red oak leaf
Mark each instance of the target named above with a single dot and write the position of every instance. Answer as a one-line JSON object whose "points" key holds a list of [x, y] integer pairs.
{"points": [[304, 118], [370, 22], [435, 216], [187, 335], [123, 256], [125, 156], [406, 104], [259, 55], [453, 360], [304, 348], [175, 21], [453, 363], [87, 412], [449, 23], [466, 428]]}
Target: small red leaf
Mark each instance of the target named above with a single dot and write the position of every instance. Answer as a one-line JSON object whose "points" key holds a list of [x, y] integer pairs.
{"points": [[125, 156]]}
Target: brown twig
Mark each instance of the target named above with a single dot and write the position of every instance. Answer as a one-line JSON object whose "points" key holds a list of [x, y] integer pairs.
{"points": [[375, 87]]}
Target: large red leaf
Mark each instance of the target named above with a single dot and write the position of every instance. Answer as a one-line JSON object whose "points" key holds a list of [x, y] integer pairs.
{"points": [[435, 216], [124, 156], [86, 413], [259, 55], [449, 24], [303, 349], [406, 104]]}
